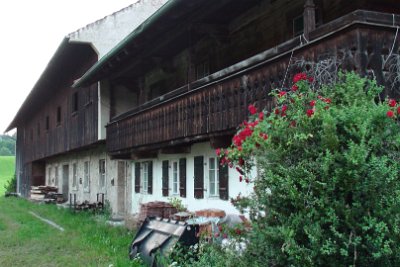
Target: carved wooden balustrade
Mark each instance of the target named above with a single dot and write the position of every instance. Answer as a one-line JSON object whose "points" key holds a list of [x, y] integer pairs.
{"points": [[217, 104]]}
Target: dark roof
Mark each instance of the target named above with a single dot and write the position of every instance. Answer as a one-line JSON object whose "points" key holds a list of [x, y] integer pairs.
{"points": [[171, 19], [58, 73]]}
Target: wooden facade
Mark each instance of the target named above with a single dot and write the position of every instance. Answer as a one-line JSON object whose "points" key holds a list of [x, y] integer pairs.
{"points": [[216, 105], [56, 118]]}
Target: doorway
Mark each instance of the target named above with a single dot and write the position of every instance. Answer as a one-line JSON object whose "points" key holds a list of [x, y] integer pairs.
{"points": [[121, 185], [65, 183]]}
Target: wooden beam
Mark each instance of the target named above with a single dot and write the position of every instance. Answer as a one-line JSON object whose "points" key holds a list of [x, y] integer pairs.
{"points": [[176, 150], [143, 155], [223, 141], [309, 17]]}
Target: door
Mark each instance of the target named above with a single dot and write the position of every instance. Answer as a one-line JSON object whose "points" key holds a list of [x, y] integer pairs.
{"points": [[65, 183], [121, 185]]}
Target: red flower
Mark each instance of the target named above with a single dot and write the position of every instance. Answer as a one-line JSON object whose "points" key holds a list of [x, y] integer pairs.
{"points": [[284, 108], [237, 140], [238, 231], [239, 170], [218, 152], [252, 109], [398, 110], [224, 236], [264, 136], [327, 100], [326, 108], [241, 162], [320, 97], [240, 178], [246, 132], [390, 114], [282, 93], [240, 148], [293, 124], [295, 88], [247, 180], [277, 111], [311, 79], [310, 112], [257, 145], [392, 103], [261, 116], [312, 103], [299, 77]]}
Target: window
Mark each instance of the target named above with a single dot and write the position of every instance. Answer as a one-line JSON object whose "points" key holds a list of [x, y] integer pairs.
{"points": [[47, 123], [298, 23], [102, 173], [175, 178], [86, 176], [56, 176], [145, 175], [74, 177], [75, 102], [202, 70], [213, 177], [58, 115]]}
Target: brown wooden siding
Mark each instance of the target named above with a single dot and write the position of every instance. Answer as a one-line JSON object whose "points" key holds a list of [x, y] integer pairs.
{"points": [[217, 106], [75, 130]]}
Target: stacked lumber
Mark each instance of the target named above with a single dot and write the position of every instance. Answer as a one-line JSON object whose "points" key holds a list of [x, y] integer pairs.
{"points": [[46, 193]]}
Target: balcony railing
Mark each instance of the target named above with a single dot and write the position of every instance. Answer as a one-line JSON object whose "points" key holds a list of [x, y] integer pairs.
{"points": [[217, 104]]}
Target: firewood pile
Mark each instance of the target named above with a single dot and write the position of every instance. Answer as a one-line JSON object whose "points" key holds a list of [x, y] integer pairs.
{"points": [[46, 193], [156, 209]]}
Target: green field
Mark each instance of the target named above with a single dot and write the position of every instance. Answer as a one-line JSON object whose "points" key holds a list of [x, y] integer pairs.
{"points": [[7, 169], [87, 240]]}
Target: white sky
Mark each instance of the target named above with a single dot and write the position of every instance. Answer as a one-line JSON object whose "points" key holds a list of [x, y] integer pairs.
{"points": [[30, 34]]}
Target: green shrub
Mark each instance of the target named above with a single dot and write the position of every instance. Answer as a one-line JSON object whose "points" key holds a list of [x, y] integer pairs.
{"points": [[328, 190], [11, 185]]}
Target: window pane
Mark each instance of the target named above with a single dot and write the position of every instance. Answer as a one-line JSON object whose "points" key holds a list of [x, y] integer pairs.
{"points": [[212, 163], [175, 178]]}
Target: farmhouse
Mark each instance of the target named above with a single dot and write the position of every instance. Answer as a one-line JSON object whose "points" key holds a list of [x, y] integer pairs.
{"points": [[143, 122], [60, 130]]}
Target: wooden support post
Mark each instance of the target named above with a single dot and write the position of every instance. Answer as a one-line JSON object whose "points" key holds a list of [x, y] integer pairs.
{"points": [[309, 17]]}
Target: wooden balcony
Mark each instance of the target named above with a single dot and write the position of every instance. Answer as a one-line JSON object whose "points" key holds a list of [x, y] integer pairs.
{"points": [[217, 104]]}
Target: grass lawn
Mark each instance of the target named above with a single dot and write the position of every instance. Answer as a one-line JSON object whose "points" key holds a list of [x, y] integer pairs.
{"points": [[7, 169], [87, 240]]}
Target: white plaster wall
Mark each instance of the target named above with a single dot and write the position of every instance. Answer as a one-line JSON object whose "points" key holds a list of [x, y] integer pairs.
{"points": [[106, 33], [93, 156], [200, 149]]}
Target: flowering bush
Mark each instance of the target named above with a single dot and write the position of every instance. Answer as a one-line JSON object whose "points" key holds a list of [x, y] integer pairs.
{"points": [[328, 190]]}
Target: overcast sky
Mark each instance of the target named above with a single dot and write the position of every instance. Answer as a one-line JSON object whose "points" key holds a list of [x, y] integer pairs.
{"points": [[30, 34]]}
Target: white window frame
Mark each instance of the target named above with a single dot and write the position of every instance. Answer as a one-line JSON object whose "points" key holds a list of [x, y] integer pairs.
{"points": [[74, 174], [86, 176], [144, 175], [213, 182], [102, 174], [175, 177]]}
